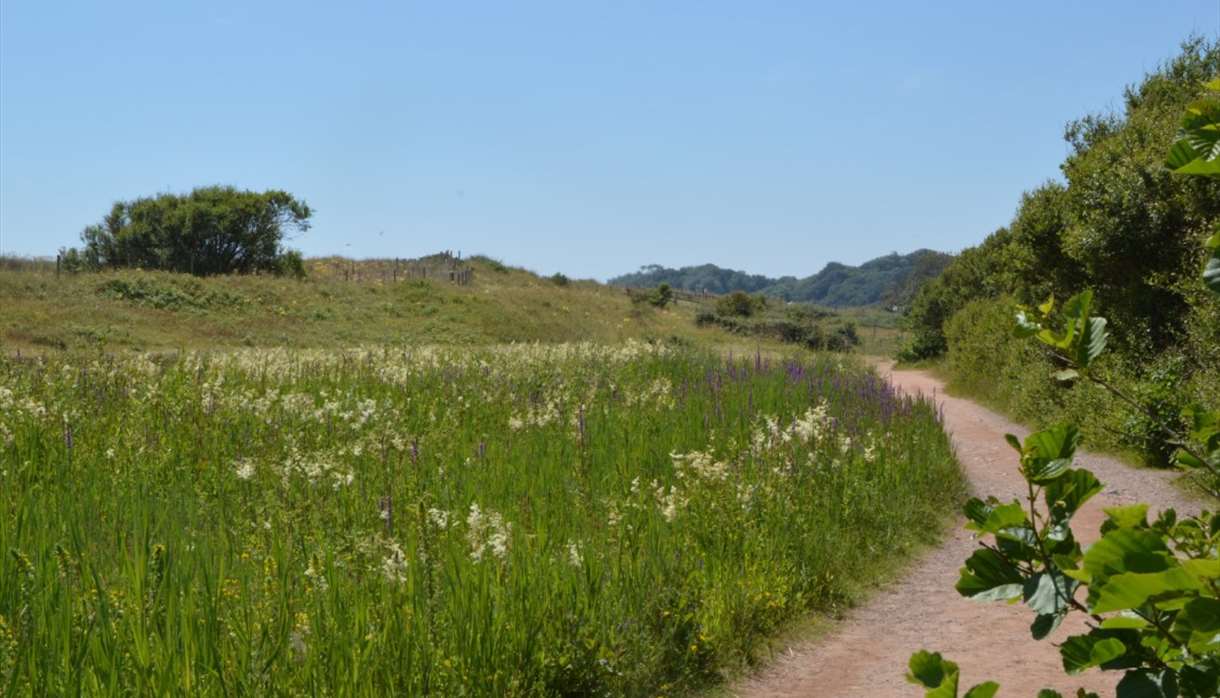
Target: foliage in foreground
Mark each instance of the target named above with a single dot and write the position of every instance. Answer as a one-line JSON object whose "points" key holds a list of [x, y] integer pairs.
{"points": [[1151, 590], [524, 520]]}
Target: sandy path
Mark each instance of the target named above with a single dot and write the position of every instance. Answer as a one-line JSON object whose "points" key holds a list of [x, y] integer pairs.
{"points": [[866, 655]]}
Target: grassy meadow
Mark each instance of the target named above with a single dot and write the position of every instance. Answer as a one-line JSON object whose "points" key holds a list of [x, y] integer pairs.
{"points": [[332, 307], [564, 519]]}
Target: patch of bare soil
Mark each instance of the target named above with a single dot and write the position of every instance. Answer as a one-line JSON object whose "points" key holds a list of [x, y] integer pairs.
{"points": [[866, 654]]}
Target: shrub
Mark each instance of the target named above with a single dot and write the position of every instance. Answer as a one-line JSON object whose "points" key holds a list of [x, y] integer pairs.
{"points": [[661, 296], [175, 295], [291, 264], [71, 260], [739, 304], [493, 263], [560, 279], [212, 230]]}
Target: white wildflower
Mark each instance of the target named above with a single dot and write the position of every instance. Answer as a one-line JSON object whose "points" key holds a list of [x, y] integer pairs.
{"points": [[244, 469], [439, 518], [486, 532], [394, 566], [316, 578], [701, 464]]}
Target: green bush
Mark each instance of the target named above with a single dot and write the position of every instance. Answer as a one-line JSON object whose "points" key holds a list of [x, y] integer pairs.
{"points": [[740, 304], [661, 296], [211, 230], [987, 362], [291, 264], [174, 294]]}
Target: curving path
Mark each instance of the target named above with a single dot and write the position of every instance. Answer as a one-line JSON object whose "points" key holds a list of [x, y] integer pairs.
{"points": [[866, 654]]}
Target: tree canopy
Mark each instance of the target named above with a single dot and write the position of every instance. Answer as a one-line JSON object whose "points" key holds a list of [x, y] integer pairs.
{"points": [[1121, 223], [212, 230]]}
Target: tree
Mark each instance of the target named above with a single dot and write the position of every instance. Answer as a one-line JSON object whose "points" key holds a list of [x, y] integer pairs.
{"points": [[212, 230], [1151, 590], [662, 296]]}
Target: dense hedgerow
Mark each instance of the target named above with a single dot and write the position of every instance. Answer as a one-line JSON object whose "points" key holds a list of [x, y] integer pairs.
{"points": [[571, 519], [986, 361]]}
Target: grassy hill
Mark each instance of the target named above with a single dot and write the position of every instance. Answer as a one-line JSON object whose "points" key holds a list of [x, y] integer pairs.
{"points": [[891, 279], [340, 303]]}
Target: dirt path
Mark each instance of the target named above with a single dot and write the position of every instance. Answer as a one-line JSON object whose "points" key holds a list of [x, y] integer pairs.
{"points": [[866, 655]]}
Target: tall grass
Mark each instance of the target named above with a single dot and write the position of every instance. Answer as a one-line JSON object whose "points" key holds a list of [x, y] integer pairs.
{"points": [[520, 520]]}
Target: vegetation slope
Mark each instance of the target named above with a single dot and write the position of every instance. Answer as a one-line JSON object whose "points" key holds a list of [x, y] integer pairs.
{"points": [[340, 303]]}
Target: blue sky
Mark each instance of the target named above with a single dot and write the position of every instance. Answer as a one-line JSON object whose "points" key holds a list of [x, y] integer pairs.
{"points": [[582, 137]]}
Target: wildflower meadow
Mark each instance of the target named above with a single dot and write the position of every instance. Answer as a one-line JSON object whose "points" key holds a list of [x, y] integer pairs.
{"points": [[572, 519]]}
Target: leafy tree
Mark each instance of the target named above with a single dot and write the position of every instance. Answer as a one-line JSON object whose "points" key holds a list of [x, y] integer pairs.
{"points": [[978, 272], [212, 230], [1150, 589], [1123, 224], [1038, 265]]}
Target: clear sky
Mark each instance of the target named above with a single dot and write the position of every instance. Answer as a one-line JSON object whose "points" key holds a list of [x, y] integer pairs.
{"points": [[582, 137]]}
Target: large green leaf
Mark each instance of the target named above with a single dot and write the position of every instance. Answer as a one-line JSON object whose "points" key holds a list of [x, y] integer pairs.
{"points": [[1125, 620], [1092, 341], [987, 689], [1067, 493], [1200, 167], [1076, 311], [1201, 128], [1181, 154], [1059, 441], [1147, 684], [1134, 589], [1132, 516], [1211, 270], [1046, 592], [1080, 652], [1197, 148], [988, 577], [1123, 549], [933, 672], [1199, 624], [987, 518], [1048, 453]]}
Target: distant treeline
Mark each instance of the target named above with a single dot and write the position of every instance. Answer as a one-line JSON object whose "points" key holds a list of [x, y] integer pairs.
{"points": [[890, 280]]}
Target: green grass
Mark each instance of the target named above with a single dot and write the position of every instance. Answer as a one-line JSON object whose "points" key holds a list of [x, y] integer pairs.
{"points": [[135, 310], [571, 519]]}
